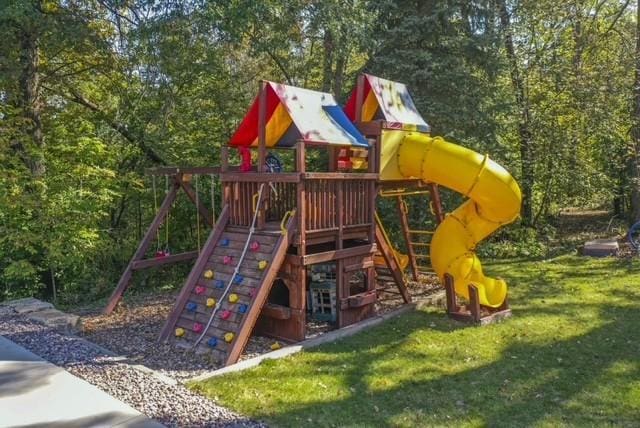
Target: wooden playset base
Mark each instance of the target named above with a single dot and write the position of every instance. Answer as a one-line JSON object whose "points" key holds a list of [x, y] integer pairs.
{"points": [[472, 312], [255, 270]]}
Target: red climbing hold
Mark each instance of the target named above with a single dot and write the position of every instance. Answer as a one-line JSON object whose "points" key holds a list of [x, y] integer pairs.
{"points": [[226, 260], [197, 327], [225, 315], [199, 289], [255, 246]]}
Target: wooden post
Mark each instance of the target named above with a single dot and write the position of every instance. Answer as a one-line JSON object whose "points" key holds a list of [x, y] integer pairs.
{"points": [[302, 199], [404, 222], [435, 202], [474, 303], [452, 306], [262, 126], [359, 97], [149, 235]]}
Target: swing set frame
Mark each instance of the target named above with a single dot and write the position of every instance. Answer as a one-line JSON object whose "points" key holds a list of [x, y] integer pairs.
{"points": [[177, 179]]}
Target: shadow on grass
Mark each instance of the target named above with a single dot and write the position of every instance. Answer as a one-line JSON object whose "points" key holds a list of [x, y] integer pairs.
{"points": [[529, 382]]}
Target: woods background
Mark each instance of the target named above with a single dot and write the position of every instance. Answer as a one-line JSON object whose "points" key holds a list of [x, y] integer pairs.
{"points": [[94, 92]]}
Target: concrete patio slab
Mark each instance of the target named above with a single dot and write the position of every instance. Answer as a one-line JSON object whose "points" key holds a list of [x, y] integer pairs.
{"points": [[36, 393]]}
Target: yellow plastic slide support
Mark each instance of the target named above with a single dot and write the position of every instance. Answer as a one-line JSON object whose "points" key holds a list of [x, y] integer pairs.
{"points": [[494, 200]]}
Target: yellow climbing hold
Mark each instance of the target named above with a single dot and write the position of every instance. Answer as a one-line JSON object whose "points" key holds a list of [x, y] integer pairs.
{"points": [[179, 332], [208, 274], [275, 346], [262, 264], [228, 337], [211, 302], [233, 298]]}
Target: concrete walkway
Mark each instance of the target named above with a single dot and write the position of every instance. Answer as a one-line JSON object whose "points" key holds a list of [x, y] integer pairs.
{"points": [[36, 393]]}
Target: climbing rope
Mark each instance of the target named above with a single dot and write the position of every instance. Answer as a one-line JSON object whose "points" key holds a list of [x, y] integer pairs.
{"points": [[236, 270]]}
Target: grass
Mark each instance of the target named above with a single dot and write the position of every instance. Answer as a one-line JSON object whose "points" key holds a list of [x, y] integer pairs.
{"points": [[570, 356]]}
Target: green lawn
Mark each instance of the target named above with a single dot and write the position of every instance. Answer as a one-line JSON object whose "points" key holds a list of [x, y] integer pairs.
{"points": [[570, 356]]}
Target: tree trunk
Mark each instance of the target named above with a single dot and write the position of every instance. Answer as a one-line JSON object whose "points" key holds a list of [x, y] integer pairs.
{"points": [[31, 102], [633, 163], [327, 64], [527, 156]]}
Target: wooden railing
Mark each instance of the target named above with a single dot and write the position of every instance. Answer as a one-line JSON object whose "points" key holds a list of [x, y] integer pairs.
{"points": [[332, 202], [326, 201]]}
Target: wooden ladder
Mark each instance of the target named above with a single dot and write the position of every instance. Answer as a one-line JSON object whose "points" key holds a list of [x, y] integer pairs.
{"points": [[231, 327]]}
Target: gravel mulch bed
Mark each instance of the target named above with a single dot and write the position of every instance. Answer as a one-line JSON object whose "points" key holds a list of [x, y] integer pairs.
{"points": [[172, 405], [132, 331]]}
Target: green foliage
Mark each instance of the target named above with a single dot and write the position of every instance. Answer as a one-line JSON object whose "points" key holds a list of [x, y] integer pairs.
{"points": [[566, 358], [117, 87]]}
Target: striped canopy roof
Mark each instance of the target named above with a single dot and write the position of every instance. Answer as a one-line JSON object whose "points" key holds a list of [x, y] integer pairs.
{"points": [[294, 114], [386, 100]]}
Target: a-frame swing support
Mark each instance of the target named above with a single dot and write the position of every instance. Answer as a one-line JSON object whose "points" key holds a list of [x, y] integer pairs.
{"points": [[180, 178]]}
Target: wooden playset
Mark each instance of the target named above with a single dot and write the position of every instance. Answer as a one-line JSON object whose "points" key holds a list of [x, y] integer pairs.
{"points": [[254, 272]]}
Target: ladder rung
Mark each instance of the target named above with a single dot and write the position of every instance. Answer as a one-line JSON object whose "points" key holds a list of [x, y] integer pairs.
{"points": [[421, 256], [425, 232], [420, 244]]}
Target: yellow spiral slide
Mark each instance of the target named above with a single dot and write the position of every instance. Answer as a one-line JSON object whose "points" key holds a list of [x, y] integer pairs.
{"points": [[494, 200]]}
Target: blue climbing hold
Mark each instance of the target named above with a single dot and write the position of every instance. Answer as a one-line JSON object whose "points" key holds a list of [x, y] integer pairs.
{"points": [[219, 283], [242, 308], [224, 242], [238, 279], [212, 342], [192, 306]]}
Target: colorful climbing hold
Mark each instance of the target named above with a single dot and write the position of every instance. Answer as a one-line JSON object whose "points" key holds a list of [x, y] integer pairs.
{"points": [[211, 302], [179, 332], [255, 246], [233, 298], [192, 306], [275, 346], [197, 327], [199, 289], [224, 242], [226, 260], [253, 292], [228, 337], [225, 315], [238, 279], [242, 308], [262, 264], [219, 283], [212, 342], [208, 274]]}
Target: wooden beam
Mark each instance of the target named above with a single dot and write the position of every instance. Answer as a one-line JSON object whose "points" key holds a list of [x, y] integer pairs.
{"points": [[390, 260], [287, 177], [159, 261], [341, 175], [194, 275], [262, 126], [435, 202], [338, 254], [123, 283], [274, 311], [359, 97], [191, 193], [173, 170], [404, 222]]}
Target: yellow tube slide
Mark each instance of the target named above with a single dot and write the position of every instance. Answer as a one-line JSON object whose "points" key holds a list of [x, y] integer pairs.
{"points": [[494, 200]]}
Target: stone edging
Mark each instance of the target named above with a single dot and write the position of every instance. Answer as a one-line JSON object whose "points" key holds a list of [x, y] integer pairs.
{"points": [[330, 336]]}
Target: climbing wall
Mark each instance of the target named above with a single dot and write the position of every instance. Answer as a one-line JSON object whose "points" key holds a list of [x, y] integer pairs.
{"points": [[216, 310]]}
